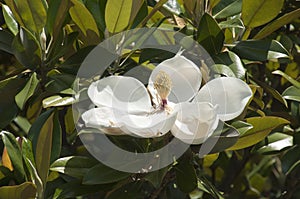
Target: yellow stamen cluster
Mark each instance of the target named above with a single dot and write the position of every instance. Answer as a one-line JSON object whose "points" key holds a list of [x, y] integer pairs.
{"points": [[163, 84]]}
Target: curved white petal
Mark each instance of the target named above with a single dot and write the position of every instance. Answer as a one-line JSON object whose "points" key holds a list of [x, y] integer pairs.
{"points": [[195, 122], [119, 92], [230, 94], [185, 76], [152, 125], [105, 119]]}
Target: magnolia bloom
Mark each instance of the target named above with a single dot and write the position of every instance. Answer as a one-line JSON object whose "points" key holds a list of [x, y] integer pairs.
{"points": [[172, 102]]}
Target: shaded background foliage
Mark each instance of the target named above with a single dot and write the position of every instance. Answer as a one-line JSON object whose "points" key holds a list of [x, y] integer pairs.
{"points": [[42, 45]]}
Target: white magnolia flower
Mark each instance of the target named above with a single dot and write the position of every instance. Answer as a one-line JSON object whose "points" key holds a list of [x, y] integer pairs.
{"points": [[124, 104]]}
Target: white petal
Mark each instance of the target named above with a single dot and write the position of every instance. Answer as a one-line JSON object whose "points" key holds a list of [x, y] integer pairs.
{"points": [[185, 75], [154, 124], [230, 94], [105, 119], [195, 122], [119, 92]]}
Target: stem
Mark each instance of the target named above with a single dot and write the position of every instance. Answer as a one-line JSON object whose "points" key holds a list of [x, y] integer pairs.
{"points": [[246, 33]]}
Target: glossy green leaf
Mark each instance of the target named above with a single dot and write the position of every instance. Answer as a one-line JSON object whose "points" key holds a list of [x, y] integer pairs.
{"points": [[97, 9], [8, 107], [22, 97], [10, 20], [210, 35], [227, 8], [56, 15], [258, 12], [101, 174], [28, 157], [233, 62], [278, 23], [186, 178], [84, 20], [264, 50], [14, 152], [262, 126], [218, 143], [27, 49], [117, 14], [43, 148], [275, 143], [6, 39], [223, 70], [290, 160], [287, 77], [292, 93], [241, 127], [75, 166], [32, 14], [26, 190], [232, 23], [57, 100]]}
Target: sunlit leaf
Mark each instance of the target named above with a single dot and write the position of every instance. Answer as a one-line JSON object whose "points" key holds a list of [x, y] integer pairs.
{"points": [[287, 77], [10, 20], [57, 100], [258, 12], [25, 190], [275, 143], [227, 8], [277, 23], [292, 93], [262, 126], [27, 91], [85, 21], [117, 14], [32, 14]]}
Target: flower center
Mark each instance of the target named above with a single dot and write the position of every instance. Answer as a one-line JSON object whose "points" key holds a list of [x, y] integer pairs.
{"points": [[163, 84]]}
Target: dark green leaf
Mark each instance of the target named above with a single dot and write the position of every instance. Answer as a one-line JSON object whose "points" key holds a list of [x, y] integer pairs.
{"points": [[210, 35], [97, 9], [56, 15], [133, 190], [14, 152], [8, 108], [6, 39], [186, 178], [264, 50], [232, 23], [26, 49], [157, 177], [101, 174], [219, 142], [290, 160], [227, 8], [75, 166], [258, 12]]}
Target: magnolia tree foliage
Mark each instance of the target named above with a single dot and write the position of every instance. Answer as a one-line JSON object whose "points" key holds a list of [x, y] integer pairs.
{"points": [[241, 101]]}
